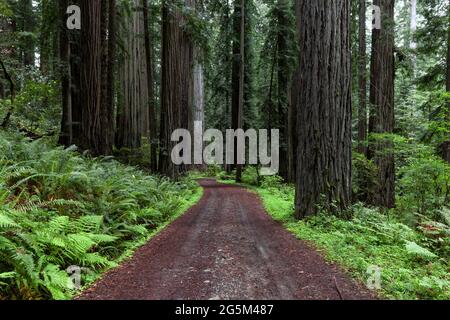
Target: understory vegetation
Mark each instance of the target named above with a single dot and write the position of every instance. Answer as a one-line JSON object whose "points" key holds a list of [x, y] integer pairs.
{"points": [[409, 244], [61, 212], [362, 112]]}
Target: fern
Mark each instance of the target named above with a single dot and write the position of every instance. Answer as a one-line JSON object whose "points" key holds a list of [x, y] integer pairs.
{"points": [[418, 251], [6, 222], [59, 209]]}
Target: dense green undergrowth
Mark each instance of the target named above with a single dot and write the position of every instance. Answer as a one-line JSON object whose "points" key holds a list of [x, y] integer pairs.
{"points": [[413, 257], [61, 213]]}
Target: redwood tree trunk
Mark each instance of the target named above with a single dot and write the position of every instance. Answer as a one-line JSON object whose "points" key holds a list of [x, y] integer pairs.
{"points": [[28, 25], [176, 63], [238, 74], [151, 91], [362, 111], [94, 124], [66, 134], [324, 107], [110, 80], [133, 111], [283, 82], [292, 113], [381, 120]]}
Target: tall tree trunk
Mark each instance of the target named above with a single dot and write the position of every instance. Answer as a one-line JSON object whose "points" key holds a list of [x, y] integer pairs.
{"points": [[381, 120], [151, 91], [133, 82], [94, 124], [198, 99], [196, 88], [324, 107], [66, 134], [28, 26], [75, 78], [292, 113], [176, 66], [110, 73], [362, 110], [49, 23], [240, 114], [283, 82], [12, 93], [292, 127], [238, 74]]}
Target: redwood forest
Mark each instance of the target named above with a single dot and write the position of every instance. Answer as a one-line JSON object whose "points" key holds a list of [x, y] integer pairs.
{"points": [[225, 150]]}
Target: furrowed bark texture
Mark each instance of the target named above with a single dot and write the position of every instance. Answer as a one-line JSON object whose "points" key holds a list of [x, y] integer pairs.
{"points": [[381, 120], [324, 107]]}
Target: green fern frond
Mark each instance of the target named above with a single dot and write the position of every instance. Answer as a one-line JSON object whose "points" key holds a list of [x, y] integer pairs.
{"points": [[8, 275], [6, 222], [58, 224], [56, 281], [94, 259], [80, 242], [25, 265], [88, 223], [7, 245], [101, 238]]}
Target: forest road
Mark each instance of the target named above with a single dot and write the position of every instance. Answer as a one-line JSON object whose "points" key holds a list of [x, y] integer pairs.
{"points": [[226, 247]]}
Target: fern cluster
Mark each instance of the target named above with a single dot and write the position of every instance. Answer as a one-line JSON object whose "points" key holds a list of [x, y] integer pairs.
{"points": [[59, 209]]}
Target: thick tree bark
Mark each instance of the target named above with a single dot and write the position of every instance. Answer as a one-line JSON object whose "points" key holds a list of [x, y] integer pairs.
{"points": [[28, 26], [283, 82], [50, 21], [94, 124], [12, 92], [362, 110], [153, 129], [381, 120], [66, 134], [324, 107], [133, 112], [238, 74], [292, 127], [197, 105], [292, 113], [108, 64], [176, 73], [111, 68], [76, 93]]}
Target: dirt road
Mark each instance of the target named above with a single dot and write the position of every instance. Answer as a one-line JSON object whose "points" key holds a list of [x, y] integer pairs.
{"points": [[226, 247]]}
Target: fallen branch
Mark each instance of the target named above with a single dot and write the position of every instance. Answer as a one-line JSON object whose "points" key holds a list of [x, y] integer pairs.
{"points": [[337, 288], [12, 92], [35, 136]]}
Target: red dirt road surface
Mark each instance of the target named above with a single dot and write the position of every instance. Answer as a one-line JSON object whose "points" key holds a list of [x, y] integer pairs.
{"points": [[226, 247]]}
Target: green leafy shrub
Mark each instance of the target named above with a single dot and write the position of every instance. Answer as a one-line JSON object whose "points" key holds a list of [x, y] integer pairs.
{"points": [[271, 182], [424, 187], [250, 175], [213, 170], [58, 209], [365, 178], [413, 259]]}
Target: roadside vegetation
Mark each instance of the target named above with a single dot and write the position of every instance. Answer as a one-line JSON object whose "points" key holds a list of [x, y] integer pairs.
{"points": [[410, 244], [60, 211]]}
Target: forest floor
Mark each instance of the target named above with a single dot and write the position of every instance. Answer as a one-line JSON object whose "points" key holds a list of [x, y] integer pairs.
{"points": [[226, 247]]}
